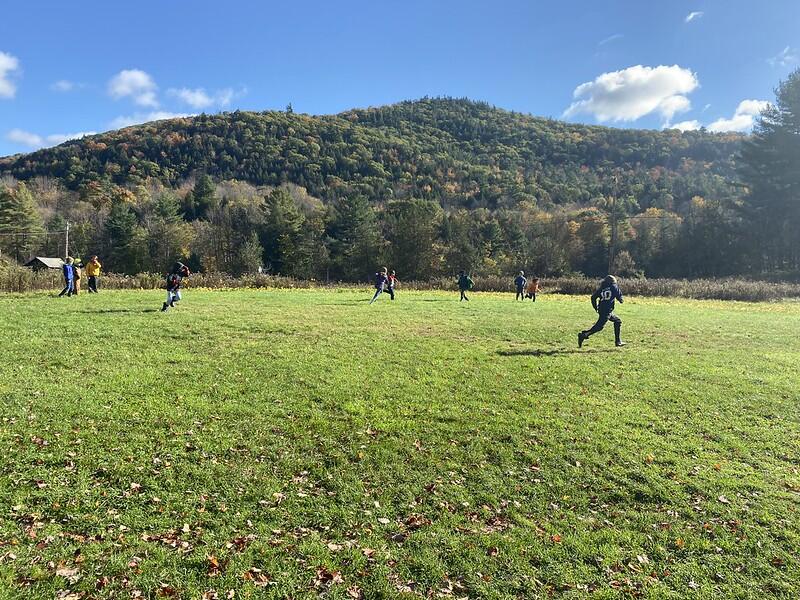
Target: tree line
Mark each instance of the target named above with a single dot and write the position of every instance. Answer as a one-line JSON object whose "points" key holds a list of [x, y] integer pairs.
{"points": [[427, 187]]}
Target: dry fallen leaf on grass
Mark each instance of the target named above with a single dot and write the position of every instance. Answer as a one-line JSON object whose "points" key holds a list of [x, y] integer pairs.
{"points": [[257, 577], [355, 592]]}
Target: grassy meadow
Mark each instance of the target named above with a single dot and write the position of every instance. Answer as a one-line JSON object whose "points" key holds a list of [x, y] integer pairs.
{"points": [[292, 444]]}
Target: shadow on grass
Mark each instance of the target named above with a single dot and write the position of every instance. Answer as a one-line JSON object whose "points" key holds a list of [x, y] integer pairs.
{"points": [[101, 311], [553, 351]]}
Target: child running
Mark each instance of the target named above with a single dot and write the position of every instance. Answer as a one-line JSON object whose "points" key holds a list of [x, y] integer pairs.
{"points": [[607, 293], [391, 283], [174, 281], [465, 283], [533, 288], [520, 282], [381, 278]]}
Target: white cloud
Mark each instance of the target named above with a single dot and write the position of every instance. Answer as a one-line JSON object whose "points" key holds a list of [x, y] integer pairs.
{"points": [[199, 99], [64, 85], [139, 118], [785, 58], [134, 83], [34, 140], [686, 125], [8, 66], [609, 39], [634, 92], [693, 16], [25, 138], [743, 119]]}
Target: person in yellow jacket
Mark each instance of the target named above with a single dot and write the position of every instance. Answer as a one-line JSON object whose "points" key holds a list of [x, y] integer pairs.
{"points": [[93, 272]]}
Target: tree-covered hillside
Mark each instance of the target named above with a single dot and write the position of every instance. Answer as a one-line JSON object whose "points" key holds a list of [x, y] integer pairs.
{"points": [[456, 152], [427, 187]]}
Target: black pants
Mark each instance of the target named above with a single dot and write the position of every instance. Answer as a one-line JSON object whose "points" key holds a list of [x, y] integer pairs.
{"points": [[92, 284], [390, 291], [520, 294], [531, 295], [464, 295], [602, 319]]}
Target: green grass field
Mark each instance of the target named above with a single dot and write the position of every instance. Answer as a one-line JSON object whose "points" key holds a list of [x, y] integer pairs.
{"points": [[255, 444]]}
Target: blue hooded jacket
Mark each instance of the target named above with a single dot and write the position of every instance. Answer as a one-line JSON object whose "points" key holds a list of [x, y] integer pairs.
{"points": [[69, 272]]}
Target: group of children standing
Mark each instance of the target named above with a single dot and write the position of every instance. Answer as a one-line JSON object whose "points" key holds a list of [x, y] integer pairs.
{"points": [[72, 276]]}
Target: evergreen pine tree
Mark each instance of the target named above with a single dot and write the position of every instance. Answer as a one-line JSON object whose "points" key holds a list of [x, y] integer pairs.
{"points": [[204, 195], [20, 223], [357, 246], [121, 235], [770, 167]]}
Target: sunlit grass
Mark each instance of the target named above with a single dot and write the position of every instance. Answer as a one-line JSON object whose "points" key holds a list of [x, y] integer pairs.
{"points": [[290, 443]]}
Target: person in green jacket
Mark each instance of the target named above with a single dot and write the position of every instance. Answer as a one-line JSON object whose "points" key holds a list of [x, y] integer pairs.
{"points": [[464, 283]]}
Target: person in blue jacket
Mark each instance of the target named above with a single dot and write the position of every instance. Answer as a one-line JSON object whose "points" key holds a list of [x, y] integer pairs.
{"points": [[69, 277], [520, 283], [381, 279], [603, 303]]}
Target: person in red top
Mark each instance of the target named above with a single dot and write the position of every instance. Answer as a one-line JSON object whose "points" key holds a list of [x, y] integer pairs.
{"points": [[391, 283]]}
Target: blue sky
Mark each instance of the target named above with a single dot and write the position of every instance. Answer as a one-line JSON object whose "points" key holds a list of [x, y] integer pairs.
{"points": [[90, 66]]}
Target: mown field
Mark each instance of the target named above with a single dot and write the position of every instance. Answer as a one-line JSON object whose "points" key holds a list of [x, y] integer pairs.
{"points": [[258, 444]]}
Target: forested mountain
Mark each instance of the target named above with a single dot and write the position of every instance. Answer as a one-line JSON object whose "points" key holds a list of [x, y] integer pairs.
{"points": [[427, 187], [456, 152]]}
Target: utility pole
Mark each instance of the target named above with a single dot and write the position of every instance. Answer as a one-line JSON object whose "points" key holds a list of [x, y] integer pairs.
{"points": [[66, 242], [612, 249]]}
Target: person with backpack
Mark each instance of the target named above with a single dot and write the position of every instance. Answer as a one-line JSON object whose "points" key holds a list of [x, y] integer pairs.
{"points": [[381, 279], [69, 277], [391, 282], [520, 283], [465, 284], [607, 293], [174, 282], [93, 272]]}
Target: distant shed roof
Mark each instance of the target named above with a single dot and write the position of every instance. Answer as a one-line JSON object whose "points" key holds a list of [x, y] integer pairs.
{"points": [[42, 262]]}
